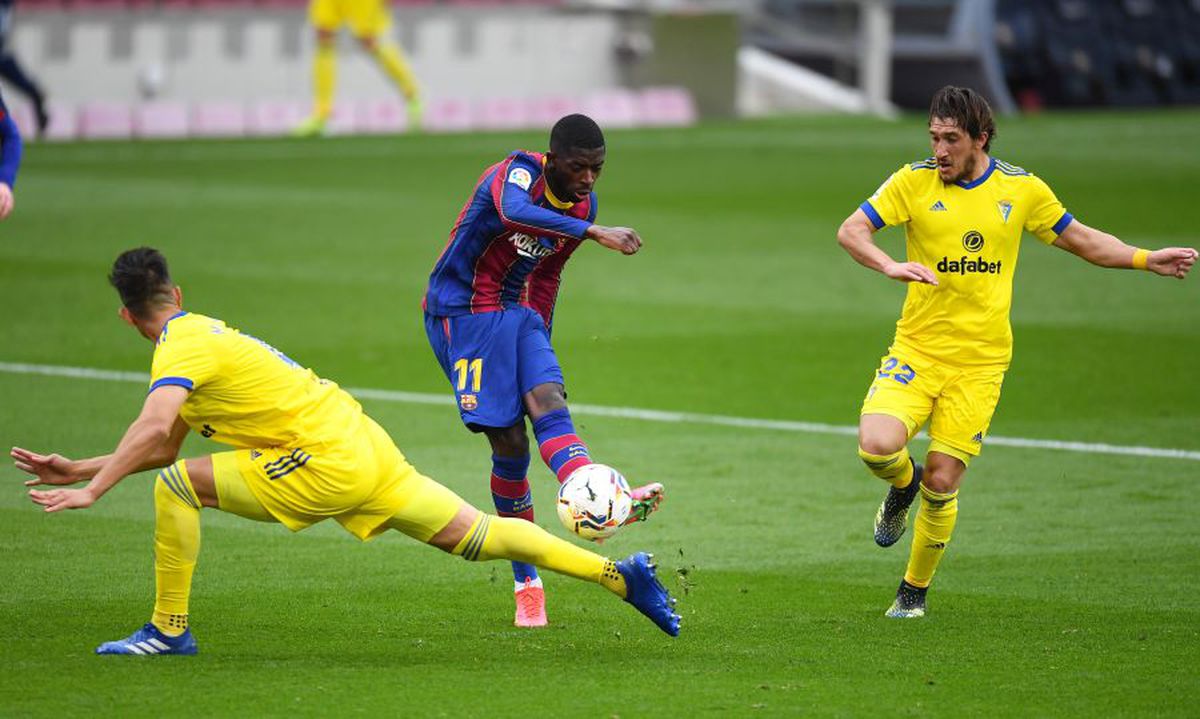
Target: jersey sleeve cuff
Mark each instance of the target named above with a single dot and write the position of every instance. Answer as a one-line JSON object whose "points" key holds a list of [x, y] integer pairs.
{"points": [[872, 214], [1062, 224], [177, 381]]}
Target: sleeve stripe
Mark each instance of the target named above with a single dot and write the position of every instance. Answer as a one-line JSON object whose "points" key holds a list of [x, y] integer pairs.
{"points": [[178, 381], [872, 214], [1062, 223]]}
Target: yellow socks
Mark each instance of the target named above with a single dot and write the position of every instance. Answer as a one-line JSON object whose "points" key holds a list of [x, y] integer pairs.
{"points": [[492, 537], [391, 59], [324, 75], [931, 534], [896, 468], [176, 545]]}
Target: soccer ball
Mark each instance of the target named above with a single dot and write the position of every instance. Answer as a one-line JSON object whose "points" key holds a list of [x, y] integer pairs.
{"points": [[594, 501]]}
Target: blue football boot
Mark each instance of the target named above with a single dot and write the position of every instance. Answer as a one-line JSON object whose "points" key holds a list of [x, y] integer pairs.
{"points": [[909, 604], [644, 591], [148, 640], [892, 518]]}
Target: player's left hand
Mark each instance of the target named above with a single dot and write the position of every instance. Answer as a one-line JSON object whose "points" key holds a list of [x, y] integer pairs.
{"points": [[55, 500], [6, 200], [1171, 261]]}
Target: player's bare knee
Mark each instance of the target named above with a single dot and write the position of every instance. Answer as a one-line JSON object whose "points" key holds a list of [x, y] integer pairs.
{"points": [[450, 536], [200, 473], [509, 441], [368, 43], [545, 398], [879, 445], [942, 476]]}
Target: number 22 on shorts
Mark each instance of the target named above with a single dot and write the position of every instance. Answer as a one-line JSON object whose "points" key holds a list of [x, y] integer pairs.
{"points": [[903, 375]]}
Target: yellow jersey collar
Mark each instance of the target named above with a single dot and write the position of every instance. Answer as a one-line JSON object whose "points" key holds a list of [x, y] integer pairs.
{"points": [[550, 193]]}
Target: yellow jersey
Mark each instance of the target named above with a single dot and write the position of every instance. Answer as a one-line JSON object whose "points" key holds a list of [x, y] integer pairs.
{"points": [[244, 392], [968, 233]]}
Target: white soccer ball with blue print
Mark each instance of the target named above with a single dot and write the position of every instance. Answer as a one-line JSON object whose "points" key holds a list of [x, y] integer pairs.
{"points": [[594, 501]]}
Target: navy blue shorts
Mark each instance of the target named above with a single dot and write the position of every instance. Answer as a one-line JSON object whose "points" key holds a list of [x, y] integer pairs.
{"points": [[492, 360]]}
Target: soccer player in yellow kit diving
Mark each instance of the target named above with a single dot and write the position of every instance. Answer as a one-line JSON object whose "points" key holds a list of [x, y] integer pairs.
{"points": [[963, 213], [305, 451], [370, 22]]}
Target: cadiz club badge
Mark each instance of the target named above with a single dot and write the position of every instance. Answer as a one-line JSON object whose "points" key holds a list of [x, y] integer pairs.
{"points": [[468, 402], [1005, 209]]}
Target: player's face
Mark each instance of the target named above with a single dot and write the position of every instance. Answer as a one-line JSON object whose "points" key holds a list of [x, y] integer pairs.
{"points": [[956, 152], [574, 173]]}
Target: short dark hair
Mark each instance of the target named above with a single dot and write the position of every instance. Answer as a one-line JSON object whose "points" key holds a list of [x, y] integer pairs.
{"points": [[141, 278], [967, 108], [575, 132]]}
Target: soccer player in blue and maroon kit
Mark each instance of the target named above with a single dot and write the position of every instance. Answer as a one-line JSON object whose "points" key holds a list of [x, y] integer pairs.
{"points": [[490, 307], [10, 159]]}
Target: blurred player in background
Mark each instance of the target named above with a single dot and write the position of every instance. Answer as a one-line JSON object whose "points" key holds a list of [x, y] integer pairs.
{"points": [[489, 310], [12, 71], [305, 452], [10, 159], [371, 23], [963, 213]]}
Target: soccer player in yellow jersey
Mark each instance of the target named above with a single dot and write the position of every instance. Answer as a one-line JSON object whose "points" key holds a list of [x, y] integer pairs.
{"points": [[304, 452], [963, 213], [370, 21]]}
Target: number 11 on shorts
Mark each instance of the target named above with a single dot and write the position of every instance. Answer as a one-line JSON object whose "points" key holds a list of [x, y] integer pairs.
{"points": [[474, 368]]}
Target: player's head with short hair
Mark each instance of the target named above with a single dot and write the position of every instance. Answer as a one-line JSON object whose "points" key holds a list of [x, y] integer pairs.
{"points": [[143, 281], [575, 132], [968, 109], [961, 130], [576, 157]]}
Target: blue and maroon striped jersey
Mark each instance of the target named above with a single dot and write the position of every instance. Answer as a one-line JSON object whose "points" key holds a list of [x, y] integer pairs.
{"points": [[509, 243]]}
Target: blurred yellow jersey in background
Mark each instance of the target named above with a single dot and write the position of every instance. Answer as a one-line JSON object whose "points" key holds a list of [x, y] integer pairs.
{"points": [[366, 18]]}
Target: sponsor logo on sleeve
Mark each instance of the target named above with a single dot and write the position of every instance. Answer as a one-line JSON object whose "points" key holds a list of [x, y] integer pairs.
{"points": [[520, 177]]}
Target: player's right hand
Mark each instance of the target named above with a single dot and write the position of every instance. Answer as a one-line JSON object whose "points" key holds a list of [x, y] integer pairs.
{"points": [[52, 469], [56, 500], [910, 272], [6, 200], [622, 239]]}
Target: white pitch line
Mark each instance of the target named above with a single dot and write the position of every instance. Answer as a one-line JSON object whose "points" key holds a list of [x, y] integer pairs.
{"points": [[649, 415]]}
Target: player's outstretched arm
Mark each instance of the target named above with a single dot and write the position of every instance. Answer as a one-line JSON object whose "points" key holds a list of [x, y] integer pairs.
{"points": [[1105, 250], [622, 239], [145, 436], [57, 470], [856, 236]]}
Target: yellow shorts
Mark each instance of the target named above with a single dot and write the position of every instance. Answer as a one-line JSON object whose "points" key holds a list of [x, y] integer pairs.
{"points": [[364, 482], [957, 402], [366, 18]]}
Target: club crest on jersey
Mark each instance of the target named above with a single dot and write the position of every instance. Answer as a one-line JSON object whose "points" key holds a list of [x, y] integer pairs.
{"points": [[520, 177], [1005, 209], [468, 402], [534, 248]]}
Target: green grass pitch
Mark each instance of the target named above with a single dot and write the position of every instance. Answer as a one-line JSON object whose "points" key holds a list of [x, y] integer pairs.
{"points": [[1072, 586]]}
